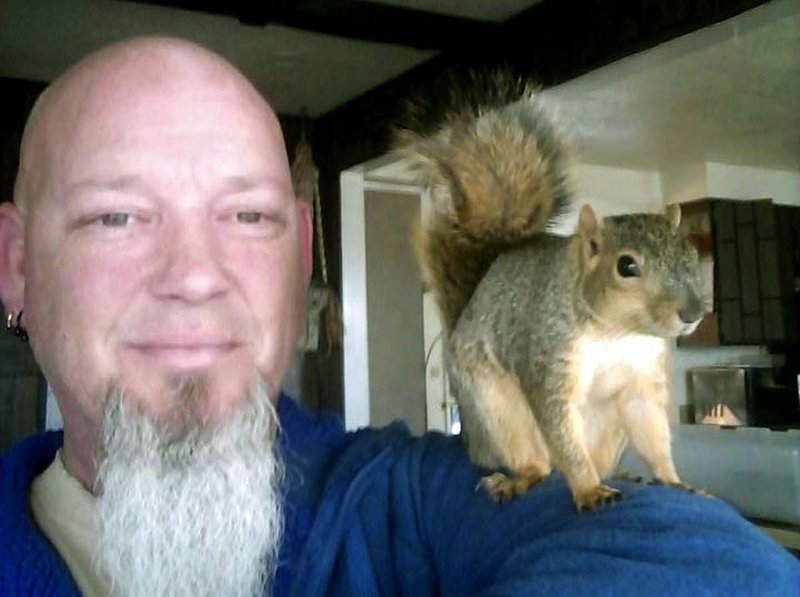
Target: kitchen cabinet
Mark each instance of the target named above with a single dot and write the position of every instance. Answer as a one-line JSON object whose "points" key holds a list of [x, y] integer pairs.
{"points": [[750, 251]]}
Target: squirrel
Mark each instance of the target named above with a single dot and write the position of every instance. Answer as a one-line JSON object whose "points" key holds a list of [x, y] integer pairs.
{"points": [[555, 346]]}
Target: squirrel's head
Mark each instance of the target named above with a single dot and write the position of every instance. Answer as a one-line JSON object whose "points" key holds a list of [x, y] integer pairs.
{"points": [[639, 273]]}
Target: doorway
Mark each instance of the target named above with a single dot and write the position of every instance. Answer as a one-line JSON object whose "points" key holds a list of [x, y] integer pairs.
{"points": [[393, 365]]}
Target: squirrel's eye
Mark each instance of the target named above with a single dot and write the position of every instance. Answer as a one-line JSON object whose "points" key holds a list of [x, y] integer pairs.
{"points": [[628, 267]]}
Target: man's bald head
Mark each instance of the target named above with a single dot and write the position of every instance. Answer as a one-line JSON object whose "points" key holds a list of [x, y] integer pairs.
{"points": [[110, 84]]}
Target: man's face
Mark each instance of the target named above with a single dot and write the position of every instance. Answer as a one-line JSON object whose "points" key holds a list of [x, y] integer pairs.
{"points": [[166, 246]]}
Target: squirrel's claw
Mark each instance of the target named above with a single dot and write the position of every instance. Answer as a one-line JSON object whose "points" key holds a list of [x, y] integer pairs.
{"points": [[600, 495], [626, 476], [502, 487], [683, 486]]}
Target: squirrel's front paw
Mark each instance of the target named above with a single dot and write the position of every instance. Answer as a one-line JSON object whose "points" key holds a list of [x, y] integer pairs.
{"points": [[502, 487], [598, 495]]}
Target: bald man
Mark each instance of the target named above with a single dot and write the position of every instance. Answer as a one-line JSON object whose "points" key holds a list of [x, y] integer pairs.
{"points": [[161, 259], [157, 259]]}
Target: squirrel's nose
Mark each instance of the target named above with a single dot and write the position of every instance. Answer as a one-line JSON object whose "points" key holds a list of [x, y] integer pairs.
{"points": [[690, 315], [692, 311]]}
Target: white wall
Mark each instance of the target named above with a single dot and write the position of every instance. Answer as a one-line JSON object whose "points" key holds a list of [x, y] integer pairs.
{"points": [[611, 191], [683, 181], [743, 182], [687, 181], [617, 190]]}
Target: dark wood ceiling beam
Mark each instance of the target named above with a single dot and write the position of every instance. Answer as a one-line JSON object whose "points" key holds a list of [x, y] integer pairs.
{"points": [[354, 19]]}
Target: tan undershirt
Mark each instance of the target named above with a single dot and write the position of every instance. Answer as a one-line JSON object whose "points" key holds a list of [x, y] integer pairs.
{"points": [[65, 512]]}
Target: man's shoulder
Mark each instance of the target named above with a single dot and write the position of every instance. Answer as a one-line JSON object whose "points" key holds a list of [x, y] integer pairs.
{"points": [[329, 462], [401, 452], [302, 428]]}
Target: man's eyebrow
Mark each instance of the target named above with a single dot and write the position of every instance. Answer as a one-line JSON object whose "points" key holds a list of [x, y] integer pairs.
{"points": [[119, 183], [231, 184], [238, 183]]}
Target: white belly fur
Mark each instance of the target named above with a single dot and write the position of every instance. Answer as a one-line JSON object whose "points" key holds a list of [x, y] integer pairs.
{"points": [[611, 371]]}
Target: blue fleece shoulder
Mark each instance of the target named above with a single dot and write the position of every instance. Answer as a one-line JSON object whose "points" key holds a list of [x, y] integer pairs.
{"points": [[347, 548], [398, 515], [29, 565], [656, 541], [309, 444], [381, 512], [302, 429]]}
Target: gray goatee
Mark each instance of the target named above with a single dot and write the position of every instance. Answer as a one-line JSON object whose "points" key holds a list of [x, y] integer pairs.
{"points": [[194, 512]]}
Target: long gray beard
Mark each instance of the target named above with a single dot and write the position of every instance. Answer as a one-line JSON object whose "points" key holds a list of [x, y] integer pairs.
{"points": [[193, 513]]}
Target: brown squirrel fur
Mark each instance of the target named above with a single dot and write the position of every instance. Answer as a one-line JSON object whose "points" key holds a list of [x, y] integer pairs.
{"points": [[555, 346]]}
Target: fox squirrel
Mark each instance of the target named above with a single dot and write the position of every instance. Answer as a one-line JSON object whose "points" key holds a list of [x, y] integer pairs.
{"points": [[555, 346]]}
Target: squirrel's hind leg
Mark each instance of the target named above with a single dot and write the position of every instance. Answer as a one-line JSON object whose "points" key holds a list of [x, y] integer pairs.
{"points": [[499, 427], [557, 405]]}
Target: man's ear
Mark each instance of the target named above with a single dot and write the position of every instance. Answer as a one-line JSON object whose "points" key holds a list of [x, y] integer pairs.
{"points": [[306, 238], [12, 258]]}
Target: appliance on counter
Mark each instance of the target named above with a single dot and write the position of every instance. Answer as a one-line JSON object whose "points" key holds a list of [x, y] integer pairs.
{"points": [[752, 396]]}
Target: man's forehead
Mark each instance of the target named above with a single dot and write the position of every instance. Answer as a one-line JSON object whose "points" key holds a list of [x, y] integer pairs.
{"points": [[112, 96], [158, 60], [114, 90]]}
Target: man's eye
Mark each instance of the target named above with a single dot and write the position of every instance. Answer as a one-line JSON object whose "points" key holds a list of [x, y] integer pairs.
{"points": [[249, 217], [263, 223], [114, 220]]}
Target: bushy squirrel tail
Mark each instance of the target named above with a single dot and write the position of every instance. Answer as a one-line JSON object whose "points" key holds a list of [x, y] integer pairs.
{"points": [[496, 171]]}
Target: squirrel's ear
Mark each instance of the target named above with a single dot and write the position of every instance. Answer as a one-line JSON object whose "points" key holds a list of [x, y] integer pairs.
{"points": [[674, 215], [587, 220], [590, 231]]}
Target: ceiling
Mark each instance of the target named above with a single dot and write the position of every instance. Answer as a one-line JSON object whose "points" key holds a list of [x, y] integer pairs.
{"points": [[300, 71], [729, 92]]}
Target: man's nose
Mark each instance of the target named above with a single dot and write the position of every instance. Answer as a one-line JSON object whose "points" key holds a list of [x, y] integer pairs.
{"points": [[190, 263]]}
